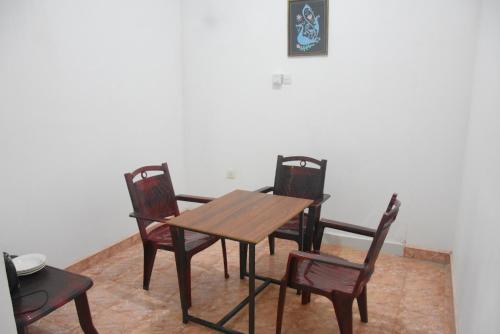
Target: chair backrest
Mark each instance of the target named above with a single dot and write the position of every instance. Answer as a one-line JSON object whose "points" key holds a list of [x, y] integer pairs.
{"points": [[152, 194], [386, 221], [301, 177]]}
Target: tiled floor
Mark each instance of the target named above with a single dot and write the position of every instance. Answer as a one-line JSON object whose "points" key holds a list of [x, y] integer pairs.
{"points": [[404, 296]]}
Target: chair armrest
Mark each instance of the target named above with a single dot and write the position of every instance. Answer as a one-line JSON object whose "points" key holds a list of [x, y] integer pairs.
{"points": [[148, 218], [326, 259], [193, 198], [264, 190], [320, 201], [351, 228]]}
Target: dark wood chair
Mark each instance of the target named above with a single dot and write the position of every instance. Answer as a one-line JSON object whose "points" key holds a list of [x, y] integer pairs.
{"points": [[303, 177], [153, 196], [42, 293], [338, 279]]}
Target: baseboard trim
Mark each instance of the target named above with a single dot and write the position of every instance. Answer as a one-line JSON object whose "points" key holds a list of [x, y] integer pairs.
{"points": [[454, 306], [101, 255], [362, 243], [427, 255], [390, 247]]}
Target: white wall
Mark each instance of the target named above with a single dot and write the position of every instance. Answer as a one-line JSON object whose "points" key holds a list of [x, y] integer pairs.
{"points": [[388, 107], [88, 90], [476, 252]]}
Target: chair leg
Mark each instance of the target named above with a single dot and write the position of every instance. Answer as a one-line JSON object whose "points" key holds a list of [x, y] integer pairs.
{"points": [[188, 282], [363, 305], [299, 290], [318, 236], [306, 297], [22, 329], [224, 257], [84, 315], [343, 310], [271, 244], [149, 260], [281, 307]]}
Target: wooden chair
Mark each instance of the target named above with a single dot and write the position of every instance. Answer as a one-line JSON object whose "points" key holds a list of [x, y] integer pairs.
{"points": [[47, 290], [154, 196], [338, 279], [303, 177]]}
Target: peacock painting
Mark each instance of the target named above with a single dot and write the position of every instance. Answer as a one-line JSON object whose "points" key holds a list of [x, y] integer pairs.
{"points": [[307, 27]]}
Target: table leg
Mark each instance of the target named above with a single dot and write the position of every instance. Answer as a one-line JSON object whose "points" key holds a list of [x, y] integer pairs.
{"points": [[251, 290], [180, 264], [84, 316], [301, 238], [243, 259]]}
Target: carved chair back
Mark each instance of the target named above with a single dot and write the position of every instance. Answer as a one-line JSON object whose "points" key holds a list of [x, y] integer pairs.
{"points": [[386, 221], [152, 194], [298, 176]]}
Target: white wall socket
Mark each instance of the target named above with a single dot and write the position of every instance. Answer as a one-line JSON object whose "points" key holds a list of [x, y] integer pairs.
{"points": [[287, 79], [230, 174], [277, 81], [281, 79]]}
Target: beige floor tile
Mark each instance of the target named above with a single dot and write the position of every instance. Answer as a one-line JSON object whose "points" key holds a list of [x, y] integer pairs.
{"points": [[404, 296]]}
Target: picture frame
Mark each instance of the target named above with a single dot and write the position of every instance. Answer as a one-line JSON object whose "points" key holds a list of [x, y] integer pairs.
{"points": [[308, 28]]}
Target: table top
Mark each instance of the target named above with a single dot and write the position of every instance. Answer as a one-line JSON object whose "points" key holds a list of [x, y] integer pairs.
{"points": [[44, 291], [242, 215]]}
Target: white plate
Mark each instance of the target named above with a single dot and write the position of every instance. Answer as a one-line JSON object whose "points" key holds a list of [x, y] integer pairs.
{"points": [[31, 270], [26, 273], [29, 262]]}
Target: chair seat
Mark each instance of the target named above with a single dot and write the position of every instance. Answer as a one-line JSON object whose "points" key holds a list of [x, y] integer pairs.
{"points": [[161, 236], [325, 277], [55, 287], [292, 227]]}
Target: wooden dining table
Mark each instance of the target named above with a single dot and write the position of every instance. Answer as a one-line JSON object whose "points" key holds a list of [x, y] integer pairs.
{"points": [[246, 217]]}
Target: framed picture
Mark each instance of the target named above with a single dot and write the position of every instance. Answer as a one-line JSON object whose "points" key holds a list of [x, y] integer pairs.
{"points": [[307, 27]]}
